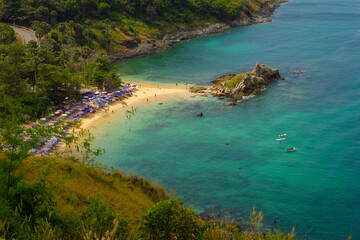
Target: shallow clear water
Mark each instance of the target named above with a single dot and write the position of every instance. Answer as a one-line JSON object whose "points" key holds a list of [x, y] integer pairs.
{"points": [[316, 188]]}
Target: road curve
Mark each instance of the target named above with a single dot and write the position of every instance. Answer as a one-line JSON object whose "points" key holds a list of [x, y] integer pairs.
{"points": [[26, 34]]}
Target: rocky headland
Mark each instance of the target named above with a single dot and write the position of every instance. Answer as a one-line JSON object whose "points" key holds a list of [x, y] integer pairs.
{"points": [[242, 85], [166, 41]]}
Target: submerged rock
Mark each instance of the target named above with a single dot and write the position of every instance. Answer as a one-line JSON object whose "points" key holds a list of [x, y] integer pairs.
{"points": [[197, 89]]}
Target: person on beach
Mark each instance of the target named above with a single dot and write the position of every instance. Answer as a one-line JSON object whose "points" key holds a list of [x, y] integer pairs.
{"points": [[176, 84], [147, 99], [155, 95]]}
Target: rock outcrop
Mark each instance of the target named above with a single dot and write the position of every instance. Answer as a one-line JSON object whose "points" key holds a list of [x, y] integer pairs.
{"points": [[245, 84], [136, 48]]}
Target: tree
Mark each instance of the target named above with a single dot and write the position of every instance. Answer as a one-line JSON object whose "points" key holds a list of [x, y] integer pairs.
{"points": [[62, 27], [7, 34], [53, 16], [104, 8], [46, 27], [33, 61], [151, 12], [112, 81], [78, 30], [57, 82], [64, 58], [75, 57], [71, 25], [87, 23], [71, 7], [85, 53], [83, 5], [12, 75], [169, 220], [42, 14], [11, 10]]}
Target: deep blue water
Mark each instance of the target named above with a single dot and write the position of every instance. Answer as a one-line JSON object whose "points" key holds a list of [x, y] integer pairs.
{"points": [[316, 188]]}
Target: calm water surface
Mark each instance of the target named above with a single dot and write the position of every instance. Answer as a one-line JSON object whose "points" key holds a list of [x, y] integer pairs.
{"points": [[316, 188]]}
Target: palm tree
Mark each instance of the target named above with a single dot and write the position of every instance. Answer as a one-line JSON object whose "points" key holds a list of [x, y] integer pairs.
{"points": [[64, 58], [85, 53]]}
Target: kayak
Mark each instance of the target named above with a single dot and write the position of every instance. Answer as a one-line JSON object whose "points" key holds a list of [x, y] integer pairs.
{"points": [[280, 139], [291, 149]]}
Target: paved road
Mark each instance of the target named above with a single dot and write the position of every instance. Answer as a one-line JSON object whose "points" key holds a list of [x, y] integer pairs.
{"points": [[26, 34]]}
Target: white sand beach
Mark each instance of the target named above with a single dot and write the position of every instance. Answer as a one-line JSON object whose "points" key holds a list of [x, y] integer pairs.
{"points": [[145, 94]]}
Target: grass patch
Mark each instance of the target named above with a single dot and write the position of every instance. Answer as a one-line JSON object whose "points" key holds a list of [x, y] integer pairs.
{"points": [[232, 82], [73, 183]]}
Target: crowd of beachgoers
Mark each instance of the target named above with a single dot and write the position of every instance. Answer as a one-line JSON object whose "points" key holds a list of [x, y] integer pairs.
{"points": [[73, 110]]}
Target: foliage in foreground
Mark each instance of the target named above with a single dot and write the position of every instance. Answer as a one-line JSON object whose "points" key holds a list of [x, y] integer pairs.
{"points": [[56, 198]]}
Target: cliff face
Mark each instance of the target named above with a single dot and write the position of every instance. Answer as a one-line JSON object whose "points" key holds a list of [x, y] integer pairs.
{"points": [[245, 84], [169, 39]]}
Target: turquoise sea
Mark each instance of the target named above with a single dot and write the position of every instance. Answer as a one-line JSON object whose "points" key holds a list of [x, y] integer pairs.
{"points": [[317, 188]]}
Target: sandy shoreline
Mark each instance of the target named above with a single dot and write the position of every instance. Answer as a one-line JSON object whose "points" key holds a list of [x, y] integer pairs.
{"points": [[145, 94]]}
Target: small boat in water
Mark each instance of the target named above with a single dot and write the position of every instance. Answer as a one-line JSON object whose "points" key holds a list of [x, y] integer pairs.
{"points": [[291, 149]]}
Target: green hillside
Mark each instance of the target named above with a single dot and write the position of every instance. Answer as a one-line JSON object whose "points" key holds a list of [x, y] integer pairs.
{"points": [[110, 24], [65, 199]]}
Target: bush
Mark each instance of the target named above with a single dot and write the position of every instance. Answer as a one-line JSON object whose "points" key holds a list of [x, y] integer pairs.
{"points": [[232, 82], [100, 221], [169, 220], [7, 34]]}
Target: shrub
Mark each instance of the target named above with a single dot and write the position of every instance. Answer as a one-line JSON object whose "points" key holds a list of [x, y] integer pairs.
{"points": [[100, 221], [6, 34], [169, 220], [232, 82]]}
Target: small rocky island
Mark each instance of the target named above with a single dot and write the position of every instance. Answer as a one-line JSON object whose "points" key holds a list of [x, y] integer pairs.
{"points": [[243, 84]]}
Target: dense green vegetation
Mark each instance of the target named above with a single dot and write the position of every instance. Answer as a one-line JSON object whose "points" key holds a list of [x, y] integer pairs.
{"points": [[34, 78], [117, 25]]}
